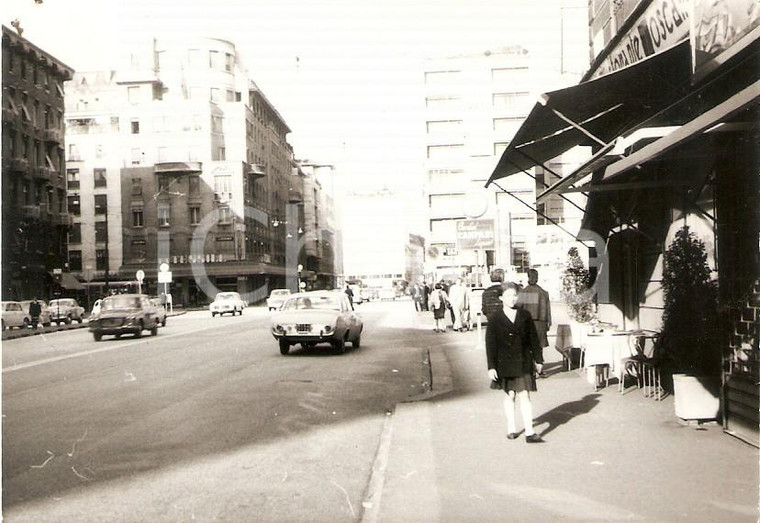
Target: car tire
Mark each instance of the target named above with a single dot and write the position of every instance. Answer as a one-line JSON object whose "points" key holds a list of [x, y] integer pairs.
{"points": [[26, 324], [138, 334], [357, 341], [339, 346], [241, 312], [163, 323], [154, 330], [284, 347], [117, 336], [80, 320], [98, 336], [213, 314]]}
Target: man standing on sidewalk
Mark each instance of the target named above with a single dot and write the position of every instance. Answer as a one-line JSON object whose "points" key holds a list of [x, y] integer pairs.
{"points": [[491, 299], [535, 300]]}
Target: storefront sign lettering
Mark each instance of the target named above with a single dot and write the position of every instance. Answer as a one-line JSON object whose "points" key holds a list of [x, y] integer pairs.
{"points": [[663, 25]]}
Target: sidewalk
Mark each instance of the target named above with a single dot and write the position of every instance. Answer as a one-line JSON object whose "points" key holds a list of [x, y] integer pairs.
{"points": [[606, 456]]}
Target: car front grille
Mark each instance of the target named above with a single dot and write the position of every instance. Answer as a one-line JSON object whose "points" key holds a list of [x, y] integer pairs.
{"points": [[111, 322], [303, 327]]}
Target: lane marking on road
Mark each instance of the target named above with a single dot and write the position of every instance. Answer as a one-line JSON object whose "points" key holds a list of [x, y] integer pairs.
{"points": [[45, 361]]}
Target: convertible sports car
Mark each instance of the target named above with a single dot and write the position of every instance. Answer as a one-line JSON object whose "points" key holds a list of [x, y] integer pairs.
{"points": [[310, 318]]}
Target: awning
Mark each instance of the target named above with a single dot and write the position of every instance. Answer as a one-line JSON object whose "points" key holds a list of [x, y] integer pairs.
{"points": [[598, 111], [68, 281]]}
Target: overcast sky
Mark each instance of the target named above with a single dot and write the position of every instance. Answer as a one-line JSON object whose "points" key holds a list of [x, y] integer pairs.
{"points": [[345, 74]]}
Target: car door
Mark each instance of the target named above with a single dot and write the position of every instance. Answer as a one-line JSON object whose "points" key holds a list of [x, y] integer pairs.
{"points": [[151, 320]]}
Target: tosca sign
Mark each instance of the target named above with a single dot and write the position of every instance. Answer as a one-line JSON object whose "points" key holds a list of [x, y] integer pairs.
{"points": [[475, 234], [662, 25]]}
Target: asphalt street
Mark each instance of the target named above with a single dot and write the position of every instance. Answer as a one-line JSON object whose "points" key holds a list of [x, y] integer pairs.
{"points": [[204, 421]]}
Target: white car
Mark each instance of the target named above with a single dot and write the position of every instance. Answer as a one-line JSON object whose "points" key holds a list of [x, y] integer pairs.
{"points": [[277, 298], [310, 318], [227, 303], [160, 310], [65, 310], [14, 315]]}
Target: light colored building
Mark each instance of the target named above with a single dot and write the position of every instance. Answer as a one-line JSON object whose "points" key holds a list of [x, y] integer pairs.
{"points": [[182, 160], [34, 212]]}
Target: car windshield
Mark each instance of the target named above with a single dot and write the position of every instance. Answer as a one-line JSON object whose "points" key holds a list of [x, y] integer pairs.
{"points": [[280, 293], [120, 302], [223, 297], [312, 302]]}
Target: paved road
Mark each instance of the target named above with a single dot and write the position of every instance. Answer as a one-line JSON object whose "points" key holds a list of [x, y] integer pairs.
{"points": [[204, 421]]}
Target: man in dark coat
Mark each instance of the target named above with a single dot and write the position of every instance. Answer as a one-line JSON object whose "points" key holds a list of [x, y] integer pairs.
{"points": [[490, 299], [513, 353], [35, 309], [535, 300]]}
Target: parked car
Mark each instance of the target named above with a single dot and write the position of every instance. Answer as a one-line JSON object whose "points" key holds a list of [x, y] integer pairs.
{"points": [[227, 303], [160, 310], [65, 310], [14, 315], [44, 319], [276, 298], [124, 314], [310, 318]]}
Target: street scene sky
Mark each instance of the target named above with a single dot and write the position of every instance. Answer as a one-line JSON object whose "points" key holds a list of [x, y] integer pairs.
{"points": [[345, 74]]}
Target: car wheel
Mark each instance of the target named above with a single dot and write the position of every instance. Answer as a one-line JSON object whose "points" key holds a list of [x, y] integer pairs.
{"points": [[284, 347], [213, 314], [26, 324], [117, 336], [339, 346], [138, 334], [241, 312], [80, 320], [357, 341], [154, 330], [163, 323], [68, 319], [98, 336]]}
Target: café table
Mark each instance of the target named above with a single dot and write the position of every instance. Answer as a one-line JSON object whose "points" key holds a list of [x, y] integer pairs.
{"points": [[605, 351]]}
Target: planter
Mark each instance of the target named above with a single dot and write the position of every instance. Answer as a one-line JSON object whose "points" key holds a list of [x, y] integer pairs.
{"points": [[696, 397]]}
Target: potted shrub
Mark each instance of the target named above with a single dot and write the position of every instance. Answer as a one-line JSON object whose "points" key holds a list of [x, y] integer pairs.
{"points": [[691, 328], [577, 293]]}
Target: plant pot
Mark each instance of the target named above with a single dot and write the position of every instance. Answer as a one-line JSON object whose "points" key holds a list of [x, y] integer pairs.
{"points": [[696, 397]]}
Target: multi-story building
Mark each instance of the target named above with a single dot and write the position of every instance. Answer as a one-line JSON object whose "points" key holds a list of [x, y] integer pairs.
{"points": [[35, 217], [179, 159], [474, 103]]}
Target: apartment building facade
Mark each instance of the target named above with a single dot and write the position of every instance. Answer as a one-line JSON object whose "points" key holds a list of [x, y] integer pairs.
{"points": [[34, 210], [180, 160]]}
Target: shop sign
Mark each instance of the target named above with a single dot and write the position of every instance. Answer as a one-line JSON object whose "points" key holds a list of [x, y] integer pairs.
{"points": [[662, 25], [475, 234], [719, 29]]}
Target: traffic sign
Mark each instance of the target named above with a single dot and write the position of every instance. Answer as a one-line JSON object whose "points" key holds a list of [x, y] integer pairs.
{"points": [[164, 267], [165, 277]]}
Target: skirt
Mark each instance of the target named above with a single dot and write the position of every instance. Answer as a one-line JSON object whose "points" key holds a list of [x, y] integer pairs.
{"points": [[439, 313], [525, 382]]}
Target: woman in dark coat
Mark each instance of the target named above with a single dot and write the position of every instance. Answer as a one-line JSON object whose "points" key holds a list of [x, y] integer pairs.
{"points": [[513, 351]]}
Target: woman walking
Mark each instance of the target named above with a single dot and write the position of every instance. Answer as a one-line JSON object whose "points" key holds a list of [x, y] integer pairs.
{"points": [[513, 353], [439, 302]]}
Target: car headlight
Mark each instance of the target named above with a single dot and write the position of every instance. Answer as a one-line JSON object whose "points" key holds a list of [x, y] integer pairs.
{"points": [[279, 329], [329, 329]]}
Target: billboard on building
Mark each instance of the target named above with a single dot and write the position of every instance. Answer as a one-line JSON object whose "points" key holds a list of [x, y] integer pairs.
{"points": [[475, 235], [720, 29]]}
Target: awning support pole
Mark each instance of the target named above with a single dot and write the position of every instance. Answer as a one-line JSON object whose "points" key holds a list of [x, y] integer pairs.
{"points": [[545, 184], [529, 206]]}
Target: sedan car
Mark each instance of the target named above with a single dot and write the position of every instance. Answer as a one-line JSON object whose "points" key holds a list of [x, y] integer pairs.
{"points": [[65, 310], [160, 310], [277, 298], [14, 315], [310, 318], [124, 314], [44, 313], [227, 303]]}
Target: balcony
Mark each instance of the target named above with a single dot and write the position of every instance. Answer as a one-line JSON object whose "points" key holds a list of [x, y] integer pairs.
{"points": [[256, 170], [20, 164], [294, 196], [30, 211], [178, 168], [63, 218], [53, 135]]}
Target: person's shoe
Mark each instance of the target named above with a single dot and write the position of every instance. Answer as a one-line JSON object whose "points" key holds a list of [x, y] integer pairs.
{"points": [[512, 435], [533, 438]]}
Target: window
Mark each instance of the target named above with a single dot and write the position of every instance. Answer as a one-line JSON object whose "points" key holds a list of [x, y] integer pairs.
{"points": [[164, 212], [445, 152], [507, 125], [163, 183], [229, 62], [133, 94], [499, 147], [194, 185], [75, 260], [137, 218], [221, 154], [72, 178], [135, 126], [441, 77], [444, 127], [225, 215], [223, 186], [230, 95], [441, 102], [101, 259], [216, 95], [217, 124], [136, 156], [511, 100], [214, 60], [74, 153], [136, 186], [101, 232], [195, 215], [74, 205], [100, 177], [101, 204], [75, 233]]}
